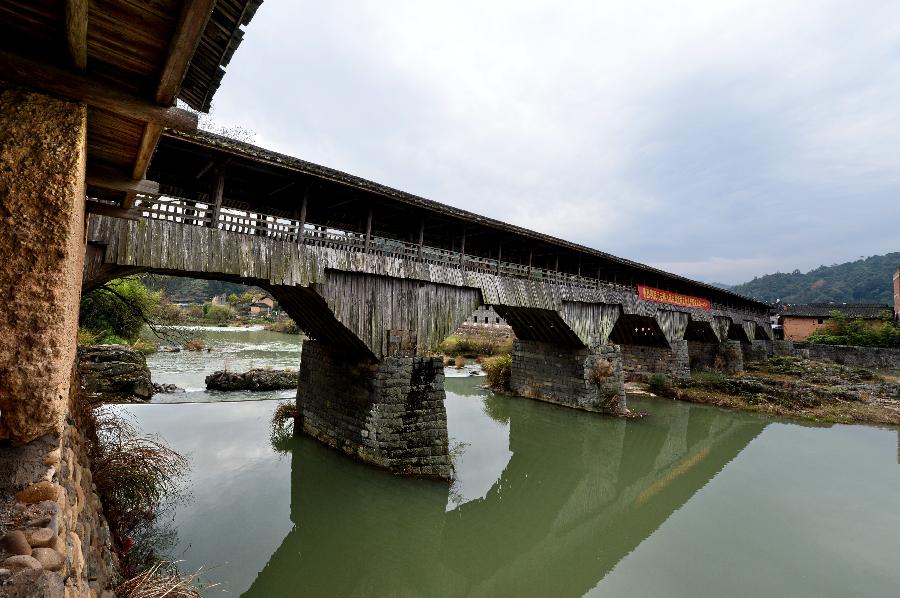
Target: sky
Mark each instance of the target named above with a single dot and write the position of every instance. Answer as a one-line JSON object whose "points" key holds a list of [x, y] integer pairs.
{"points": [[719, 139]]}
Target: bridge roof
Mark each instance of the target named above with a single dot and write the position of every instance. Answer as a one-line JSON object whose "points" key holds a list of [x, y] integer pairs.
{"points": [[275, 183], [128, 62]]}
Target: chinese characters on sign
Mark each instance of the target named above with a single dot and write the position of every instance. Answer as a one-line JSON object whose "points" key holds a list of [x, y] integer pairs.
{"points": [[660, 296]]}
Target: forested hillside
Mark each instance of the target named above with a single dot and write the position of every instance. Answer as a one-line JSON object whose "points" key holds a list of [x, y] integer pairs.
{"points": [[191, 290], [863, 281]]}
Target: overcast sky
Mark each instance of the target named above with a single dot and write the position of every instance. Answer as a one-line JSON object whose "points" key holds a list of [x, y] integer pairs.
{"points": [[719, 140]]}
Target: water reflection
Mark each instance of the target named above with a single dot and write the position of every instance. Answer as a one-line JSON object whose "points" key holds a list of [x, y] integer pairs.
{"points": [[574, 496]]}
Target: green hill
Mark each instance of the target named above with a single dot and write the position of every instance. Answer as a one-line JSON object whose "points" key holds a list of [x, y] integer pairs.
{"points": [[863, 281]]}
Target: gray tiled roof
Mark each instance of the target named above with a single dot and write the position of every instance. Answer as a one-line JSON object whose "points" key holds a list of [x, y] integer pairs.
{"points": [[851, 310]]}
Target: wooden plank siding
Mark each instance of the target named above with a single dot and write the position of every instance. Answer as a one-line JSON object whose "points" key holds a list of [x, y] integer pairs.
{"points": [[372, 294]]}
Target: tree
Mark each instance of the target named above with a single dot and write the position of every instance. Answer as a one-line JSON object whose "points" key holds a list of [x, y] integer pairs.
{"points": [[119, 309]]}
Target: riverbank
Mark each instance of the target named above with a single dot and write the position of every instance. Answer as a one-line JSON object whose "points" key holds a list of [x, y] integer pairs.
{"points": [[794, 387]]}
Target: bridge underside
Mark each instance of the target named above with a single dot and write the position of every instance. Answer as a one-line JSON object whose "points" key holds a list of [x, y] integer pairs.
{"points": [[369, 385]]}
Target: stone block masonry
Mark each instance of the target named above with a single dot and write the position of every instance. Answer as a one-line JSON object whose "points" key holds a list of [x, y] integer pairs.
{"points": [[586, 378], [640, 362], [42, 166], [389, 413]]}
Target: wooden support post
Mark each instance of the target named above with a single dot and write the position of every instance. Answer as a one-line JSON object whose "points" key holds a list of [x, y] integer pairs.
{"points": [[217, 196], [421, 238], [462, 248], [579, 266], [369, 229], [301, 229], [530, 254], [499, 256]]}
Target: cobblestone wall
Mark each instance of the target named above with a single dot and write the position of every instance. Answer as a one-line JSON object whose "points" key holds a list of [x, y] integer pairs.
{"points": [[640, 362], [56, 541], [390, 414], [589, 378]]}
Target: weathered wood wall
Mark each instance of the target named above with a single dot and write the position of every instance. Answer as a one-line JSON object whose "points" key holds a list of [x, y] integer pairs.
{"points": [[427, 298]]}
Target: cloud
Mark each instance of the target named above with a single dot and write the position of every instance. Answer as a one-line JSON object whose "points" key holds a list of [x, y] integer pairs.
{"points": [[722, 134]]}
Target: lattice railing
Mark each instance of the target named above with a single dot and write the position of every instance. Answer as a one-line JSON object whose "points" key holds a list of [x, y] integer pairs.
{"points": [[278, 227]]}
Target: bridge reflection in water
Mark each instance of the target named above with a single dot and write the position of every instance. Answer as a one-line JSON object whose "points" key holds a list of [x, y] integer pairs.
{"points": [[577, 495]]}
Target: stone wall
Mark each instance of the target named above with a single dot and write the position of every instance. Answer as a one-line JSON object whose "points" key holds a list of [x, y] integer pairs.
{"points": [[587, 378], [640, 362], [702, 355], [56, 541], [757, 350], [389, 413], [863, 357], [42, 164]]}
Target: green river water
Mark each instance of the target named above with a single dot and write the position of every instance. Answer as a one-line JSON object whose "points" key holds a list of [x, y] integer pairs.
{"points": [[690, 501]]}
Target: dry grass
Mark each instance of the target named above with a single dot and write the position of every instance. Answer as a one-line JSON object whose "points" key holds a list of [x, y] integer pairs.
{"points": [[133, 473], [159, 581], [195, 344], [498, 370]]}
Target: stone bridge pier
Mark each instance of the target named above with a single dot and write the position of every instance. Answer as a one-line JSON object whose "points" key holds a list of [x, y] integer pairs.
{"points": [[562, 356]]}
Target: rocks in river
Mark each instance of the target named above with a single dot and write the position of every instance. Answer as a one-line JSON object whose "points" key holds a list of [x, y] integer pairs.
{"points": [[255, 379], [165, 388], [113, 373]]}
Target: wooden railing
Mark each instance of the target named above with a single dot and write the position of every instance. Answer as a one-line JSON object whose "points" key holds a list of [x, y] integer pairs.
{"points": [[278, 227]]}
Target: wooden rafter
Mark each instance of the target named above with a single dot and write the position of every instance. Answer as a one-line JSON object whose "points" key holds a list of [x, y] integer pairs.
{"points": [[192, 22], [76, 32], [82, 88]]}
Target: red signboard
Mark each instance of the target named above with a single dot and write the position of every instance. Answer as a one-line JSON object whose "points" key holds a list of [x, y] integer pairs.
{"points": [[661, 296]]}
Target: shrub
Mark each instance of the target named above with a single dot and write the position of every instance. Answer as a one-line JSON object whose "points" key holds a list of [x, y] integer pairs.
{"points": [[840, 330], [144, 346], [217, 313], [133, 473], [195, 344], [87, 337], [283, 425], [119, 308], [659, 384], [459, 361], [498, 370]]}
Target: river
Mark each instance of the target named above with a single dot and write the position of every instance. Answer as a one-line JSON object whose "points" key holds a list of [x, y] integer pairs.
{"points": [[691, 501]]}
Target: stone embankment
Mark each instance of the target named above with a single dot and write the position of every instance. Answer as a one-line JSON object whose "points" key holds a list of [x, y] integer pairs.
{"points": [[255, 379], [55, 540], [114, 373], [795, 387]]}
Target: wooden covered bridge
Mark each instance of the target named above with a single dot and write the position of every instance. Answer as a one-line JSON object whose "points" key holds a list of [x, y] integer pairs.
{"points": [[378, 278]]}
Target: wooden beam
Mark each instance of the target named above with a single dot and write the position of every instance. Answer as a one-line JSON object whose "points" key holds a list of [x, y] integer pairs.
{"points": [[105, 209], [462, 248], [149, 140], [421, 237], [119, 183], [284, 187], [368, 229], [191, 24], [76, 32], [74, 86], [301, 229], [217, 196], [205, 169]]}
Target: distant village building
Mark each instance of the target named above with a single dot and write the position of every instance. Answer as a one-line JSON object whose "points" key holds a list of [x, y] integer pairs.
{"points": [[262, 306], [486, 317], [801, 320]]}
